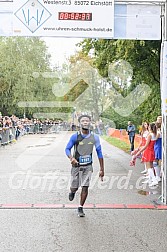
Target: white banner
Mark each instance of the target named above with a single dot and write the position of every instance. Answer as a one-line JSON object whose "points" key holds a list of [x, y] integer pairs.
{"points": [[137, 21], [145, 23], [66, 18]]}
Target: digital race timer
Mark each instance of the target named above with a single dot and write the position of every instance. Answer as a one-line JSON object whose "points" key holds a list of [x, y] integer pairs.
{"points": [[75, 16]]}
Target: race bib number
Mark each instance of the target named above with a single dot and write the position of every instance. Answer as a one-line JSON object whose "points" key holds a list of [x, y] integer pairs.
{"points": [[84, 160]]}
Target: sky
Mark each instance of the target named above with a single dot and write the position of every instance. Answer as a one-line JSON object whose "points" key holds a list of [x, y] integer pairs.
{"points": [[61, 48]]}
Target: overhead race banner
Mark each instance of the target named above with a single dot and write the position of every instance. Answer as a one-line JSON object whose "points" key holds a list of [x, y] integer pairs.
{"points": [[131, 21], [67, 18]]}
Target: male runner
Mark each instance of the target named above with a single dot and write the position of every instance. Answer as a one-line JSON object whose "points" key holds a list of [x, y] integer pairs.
{"points": [[81, 160]]}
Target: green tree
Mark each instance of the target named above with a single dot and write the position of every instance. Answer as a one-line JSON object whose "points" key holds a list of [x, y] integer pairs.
{"points": [[144, 58], [20, 58]]}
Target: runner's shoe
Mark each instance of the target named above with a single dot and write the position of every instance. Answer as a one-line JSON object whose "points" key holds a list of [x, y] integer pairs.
{"points": [[71, 196], [81, 212]]}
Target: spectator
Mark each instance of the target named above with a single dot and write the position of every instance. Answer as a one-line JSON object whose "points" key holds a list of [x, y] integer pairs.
{"points": [[158, 152], [131, 132], [148, 155], [144, 133]]}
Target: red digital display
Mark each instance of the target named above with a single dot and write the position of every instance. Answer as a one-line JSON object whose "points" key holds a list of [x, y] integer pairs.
{"points": [[75, 16]]}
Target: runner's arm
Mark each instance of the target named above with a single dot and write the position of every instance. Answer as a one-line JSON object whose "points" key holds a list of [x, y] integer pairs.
{"points": [[69, 146], [100, 156]]}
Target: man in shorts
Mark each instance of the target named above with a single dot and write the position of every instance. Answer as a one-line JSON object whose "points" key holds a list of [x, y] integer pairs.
{"points": [[81, 160]]}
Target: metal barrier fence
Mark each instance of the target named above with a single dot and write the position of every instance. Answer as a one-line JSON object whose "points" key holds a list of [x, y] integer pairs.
{"points": [[42, 129], [7, 135], [10, 134]]}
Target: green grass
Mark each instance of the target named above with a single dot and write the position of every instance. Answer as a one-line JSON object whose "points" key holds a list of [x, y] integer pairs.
{"points": [[117, 143]]}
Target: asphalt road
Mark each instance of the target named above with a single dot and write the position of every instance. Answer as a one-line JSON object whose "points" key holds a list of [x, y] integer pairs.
{"points": [[35, 170]]}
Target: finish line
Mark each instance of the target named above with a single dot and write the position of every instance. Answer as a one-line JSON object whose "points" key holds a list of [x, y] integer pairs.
{"points": [[86, 206]]}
